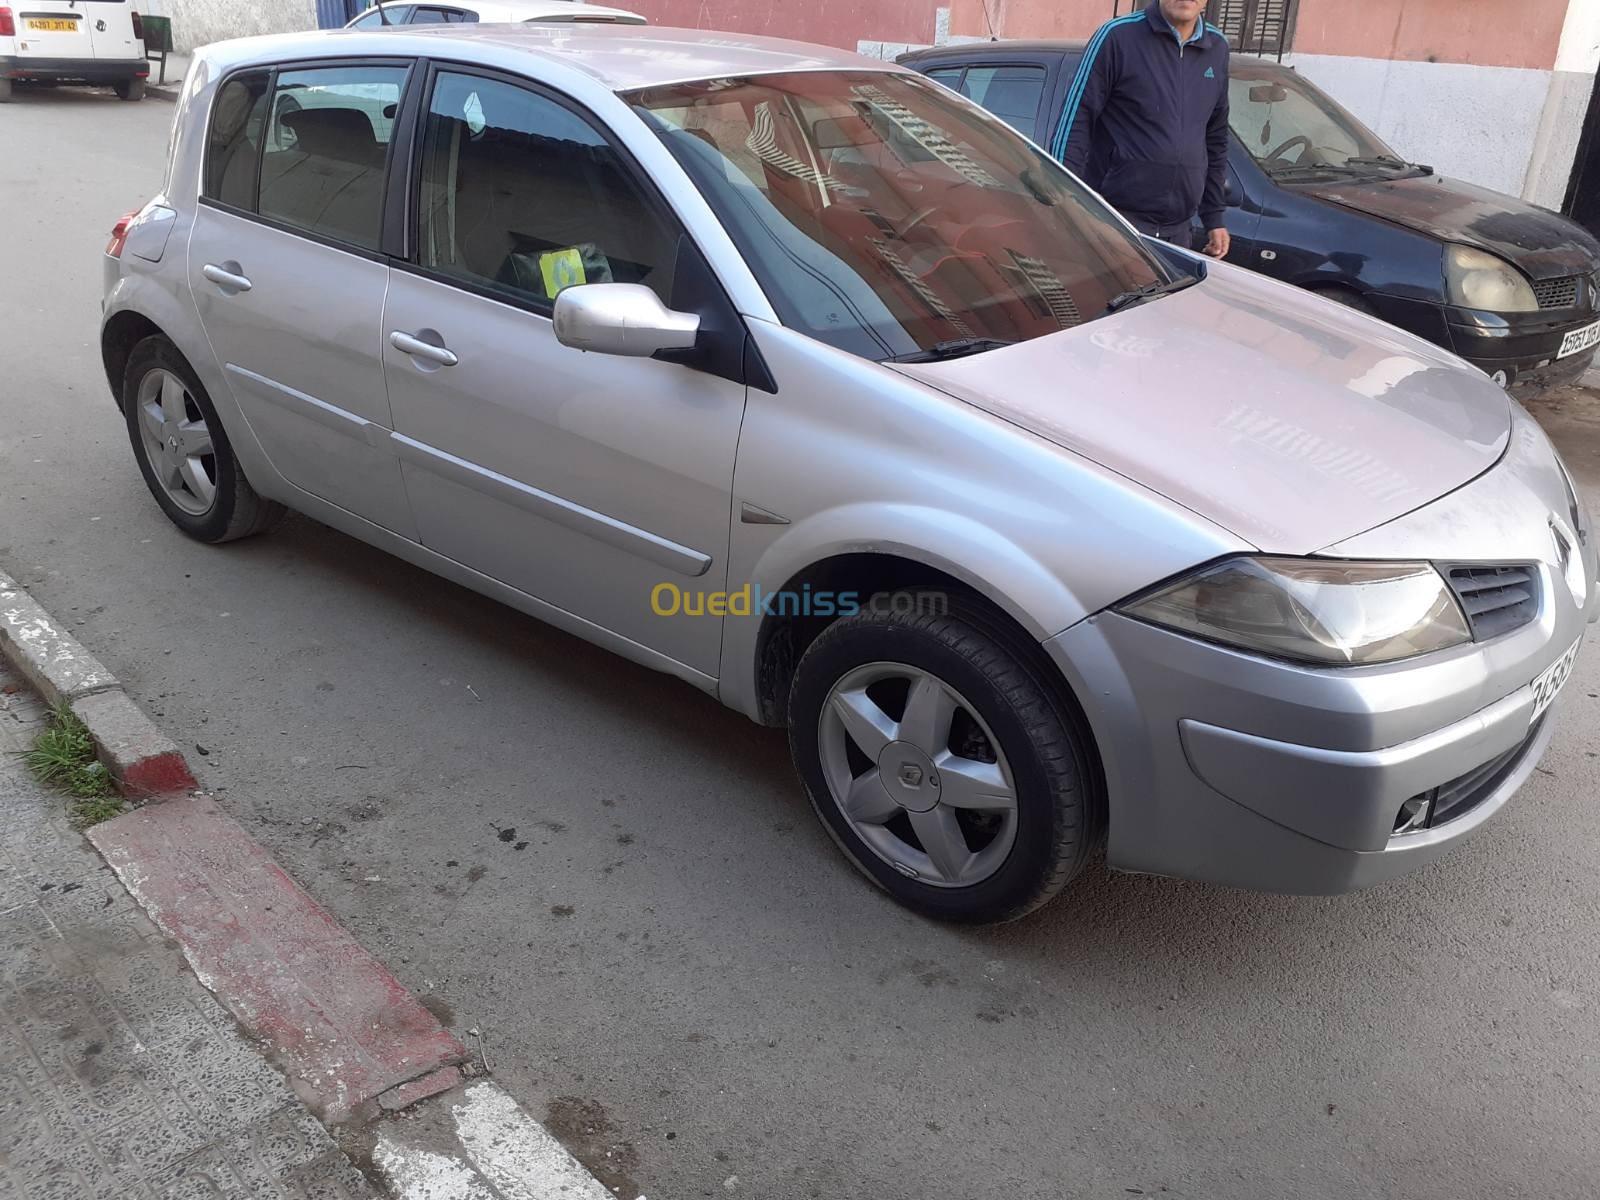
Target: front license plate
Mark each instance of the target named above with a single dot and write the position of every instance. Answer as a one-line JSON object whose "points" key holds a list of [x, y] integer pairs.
{"points": [[53, 24], [1580, 340], [1548, 686]]}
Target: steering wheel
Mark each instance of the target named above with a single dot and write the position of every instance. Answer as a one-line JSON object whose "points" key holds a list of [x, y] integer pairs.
{"points": [[1299, 139]]}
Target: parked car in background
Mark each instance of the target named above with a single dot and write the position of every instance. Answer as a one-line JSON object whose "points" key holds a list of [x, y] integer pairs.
{"points": [[1319, 200], [472, 13], [72, 41], [792, 374]]}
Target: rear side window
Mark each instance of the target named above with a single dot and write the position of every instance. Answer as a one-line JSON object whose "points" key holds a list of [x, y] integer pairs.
{"points": [[441, 16], [949, 76], [233, 147], [326, 143], [1010, 93], [521, 195]]}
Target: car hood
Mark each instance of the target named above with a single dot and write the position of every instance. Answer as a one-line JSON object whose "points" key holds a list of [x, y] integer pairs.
{"points": [[1543, 244], [1288, 420]]}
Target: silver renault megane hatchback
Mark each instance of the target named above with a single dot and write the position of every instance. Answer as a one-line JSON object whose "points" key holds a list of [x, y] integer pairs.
{"points": [[804, 379]]}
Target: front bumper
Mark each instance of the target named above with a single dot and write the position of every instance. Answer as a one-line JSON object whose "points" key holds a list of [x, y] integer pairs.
{"points": [[1235, 769], [1523, 345], [74, 70]]}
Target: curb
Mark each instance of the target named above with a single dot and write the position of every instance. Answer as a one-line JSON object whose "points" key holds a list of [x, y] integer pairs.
{"points": [[357, 1047], [163, 91], [143, 761]]}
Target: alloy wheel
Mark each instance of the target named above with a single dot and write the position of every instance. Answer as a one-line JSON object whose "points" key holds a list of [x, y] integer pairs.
{"points": [[177, 441], [918, 774]]}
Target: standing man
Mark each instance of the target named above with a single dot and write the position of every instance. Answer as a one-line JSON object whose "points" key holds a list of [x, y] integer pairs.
{"points": [[1149, 109]]}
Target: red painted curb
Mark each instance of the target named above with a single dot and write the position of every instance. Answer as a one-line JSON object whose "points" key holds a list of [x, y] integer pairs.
{"points": [[143, 760], [344, 1029]]}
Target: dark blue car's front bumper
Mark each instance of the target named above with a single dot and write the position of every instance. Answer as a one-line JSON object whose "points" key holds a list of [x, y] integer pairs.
{"points": [[1523, 345]]}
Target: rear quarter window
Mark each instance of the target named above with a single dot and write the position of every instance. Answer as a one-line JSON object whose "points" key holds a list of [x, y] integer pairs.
{"points": [[233, 142]]}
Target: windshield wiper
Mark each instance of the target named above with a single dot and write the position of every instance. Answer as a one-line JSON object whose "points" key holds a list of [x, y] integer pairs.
{"points": [[1388, 160], [1149, 291], [954, 348]]}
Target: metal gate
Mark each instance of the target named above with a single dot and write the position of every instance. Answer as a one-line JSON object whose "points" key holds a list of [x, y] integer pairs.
{"points": [[1251, 26]]}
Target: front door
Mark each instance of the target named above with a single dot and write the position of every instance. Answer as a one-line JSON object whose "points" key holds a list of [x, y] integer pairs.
{"points": [[288, 280], [582, 479]]}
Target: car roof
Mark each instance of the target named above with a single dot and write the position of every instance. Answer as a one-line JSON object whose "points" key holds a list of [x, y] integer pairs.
{"points": [[520, 10], [617, 57], [963, 51]]}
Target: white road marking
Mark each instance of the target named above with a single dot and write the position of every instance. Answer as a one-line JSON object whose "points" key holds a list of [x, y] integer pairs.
{"points": [[416, 1174], [516, 1153]]}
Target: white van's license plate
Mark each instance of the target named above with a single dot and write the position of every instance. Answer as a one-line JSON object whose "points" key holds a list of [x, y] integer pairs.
{"points": [[1580, 340], [1548, 686]]}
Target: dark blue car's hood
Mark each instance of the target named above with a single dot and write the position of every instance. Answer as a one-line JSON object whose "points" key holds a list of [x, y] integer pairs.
{"points": [[1543, 244]]}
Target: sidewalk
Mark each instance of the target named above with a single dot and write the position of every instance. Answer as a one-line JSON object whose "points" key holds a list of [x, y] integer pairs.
{"points": [[120, 1076], [177, 68]]}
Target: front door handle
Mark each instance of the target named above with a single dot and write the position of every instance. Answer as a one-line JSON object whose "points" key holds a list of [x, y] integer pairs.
{"points": [[226, 276], [417, 348]]}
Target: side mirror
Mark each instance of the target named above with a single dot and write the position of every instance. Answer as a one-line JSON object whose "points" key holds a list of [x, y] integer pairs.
{"points": [[621, 318], [1232, 192]]}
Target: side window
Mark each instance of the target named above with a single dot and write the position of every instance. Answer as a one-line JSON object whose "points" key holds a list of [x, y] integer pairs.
{"points": [[1010, 93], [233, 145], [949, 76], [326, 142], [521, 195], [433, 16], [374, 18]]}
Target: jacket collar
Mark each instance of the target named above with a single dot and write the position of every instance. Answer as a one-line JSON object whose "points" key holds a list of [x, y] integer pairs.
{"points": [[1160, 24]]}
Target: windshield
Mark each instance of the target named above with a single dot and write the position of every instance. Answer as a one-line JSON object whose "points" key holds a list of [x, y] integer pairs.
{"points": [[1288, 123], [885, 217]]}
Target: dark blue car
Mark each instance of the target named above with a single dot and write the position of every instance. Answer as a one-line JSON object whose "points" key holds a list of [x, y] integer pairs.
{"points": [[1317, 199]]}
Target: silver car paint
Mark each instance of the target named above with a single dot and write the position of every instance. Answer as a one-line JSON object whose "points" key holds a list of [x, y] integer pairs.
{"points": [[1300, 426], [1053, 523]]}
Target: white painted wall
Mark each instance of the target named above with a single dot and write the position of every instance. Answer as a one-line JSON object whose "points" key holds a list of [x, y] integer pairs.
{"points": [[1479, 124], [198, 22]]}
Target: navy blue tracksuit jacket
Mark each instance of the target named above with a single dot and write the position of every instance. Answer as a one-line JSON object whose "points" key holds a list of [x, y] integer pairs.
{"points": [[1146, 121]]}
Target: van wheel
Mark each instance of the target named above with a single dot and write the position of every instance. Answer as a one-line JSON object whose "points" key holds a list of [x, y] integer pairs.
{"points": [[942, 763], [129, 89], [184, 453], [5, 91]]}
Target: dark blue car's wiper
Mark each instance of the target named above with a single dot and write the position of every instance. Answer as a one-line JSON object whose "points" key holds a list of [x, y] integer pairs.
{"points": [[1149, 291], [1389, 161], [953, 348]]}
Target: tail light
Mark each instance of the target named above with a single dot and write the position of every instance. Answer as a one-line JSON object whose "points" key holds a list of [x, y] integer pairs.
{"points": [[138, 28], [119, 234], [8, 23]]}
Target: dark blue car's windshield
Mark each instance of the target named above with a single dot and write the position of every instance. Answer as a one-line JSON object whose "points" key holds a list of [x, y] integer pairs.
{"points": [[1288, 125]]}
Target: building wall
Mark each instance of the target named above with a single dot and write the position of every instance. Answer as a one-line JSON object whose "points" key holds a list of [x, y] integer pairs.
{"points": [[197, 22]]}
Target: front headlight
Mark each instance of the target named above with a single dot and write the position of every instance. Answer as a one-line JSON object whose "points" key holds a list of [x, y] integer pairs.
{"points": [[1478, 280], [1316, 610]]}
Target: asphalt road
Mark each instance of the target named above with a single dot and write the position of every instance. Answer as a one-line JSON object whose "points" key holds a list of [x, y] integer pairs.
{"points": [[620, 883]]}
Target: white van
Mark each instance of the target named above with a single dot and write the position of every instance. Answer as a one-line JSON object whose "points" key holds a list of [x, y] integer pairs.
{"points": [[72, 41]]}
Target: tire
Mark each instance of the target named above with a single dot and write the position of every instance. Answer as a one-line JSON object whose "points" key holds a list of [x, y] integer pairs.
{"points": [[129, 89], [5, 91], [229, 508], [1009, 721]]}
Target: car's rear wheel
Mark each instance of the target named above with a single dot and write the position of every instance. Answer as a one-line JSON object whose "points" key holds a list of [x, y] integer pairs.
{"points": [[942, 762], [5, 91], [183, 452], [129, 89]]}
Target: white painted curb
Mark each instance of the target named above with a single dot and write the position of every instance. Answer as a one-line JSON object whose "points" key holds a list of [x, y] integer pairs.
{"points": [[491, 1151]]}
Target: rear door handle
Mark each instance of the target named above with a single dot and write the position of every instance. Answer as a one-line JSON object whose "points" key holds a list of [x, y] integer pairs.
{"points": [[226, 276], [417, 348]]}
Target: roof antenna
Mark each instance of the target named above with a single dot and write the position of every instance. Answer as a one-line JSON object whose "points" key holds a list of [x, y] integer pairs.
{"points": [[993, 37]]}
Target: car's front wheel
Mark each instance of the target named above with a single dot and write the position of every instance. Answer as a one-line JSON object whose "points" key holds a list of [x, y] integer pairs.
{"points": [[942, 761], [183, 452]]}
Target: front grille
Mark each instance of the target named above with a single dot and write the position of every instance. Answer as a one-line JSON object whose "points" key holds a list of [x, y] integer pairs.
{"points": [[1556, 293], [1460, 796], [1496, 599]]}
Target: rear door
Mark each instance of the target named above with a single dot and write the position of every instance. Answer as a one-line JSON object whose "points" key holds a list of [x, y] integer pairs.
{"points": [[56, 29], [288, 272], [110, 25]]}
